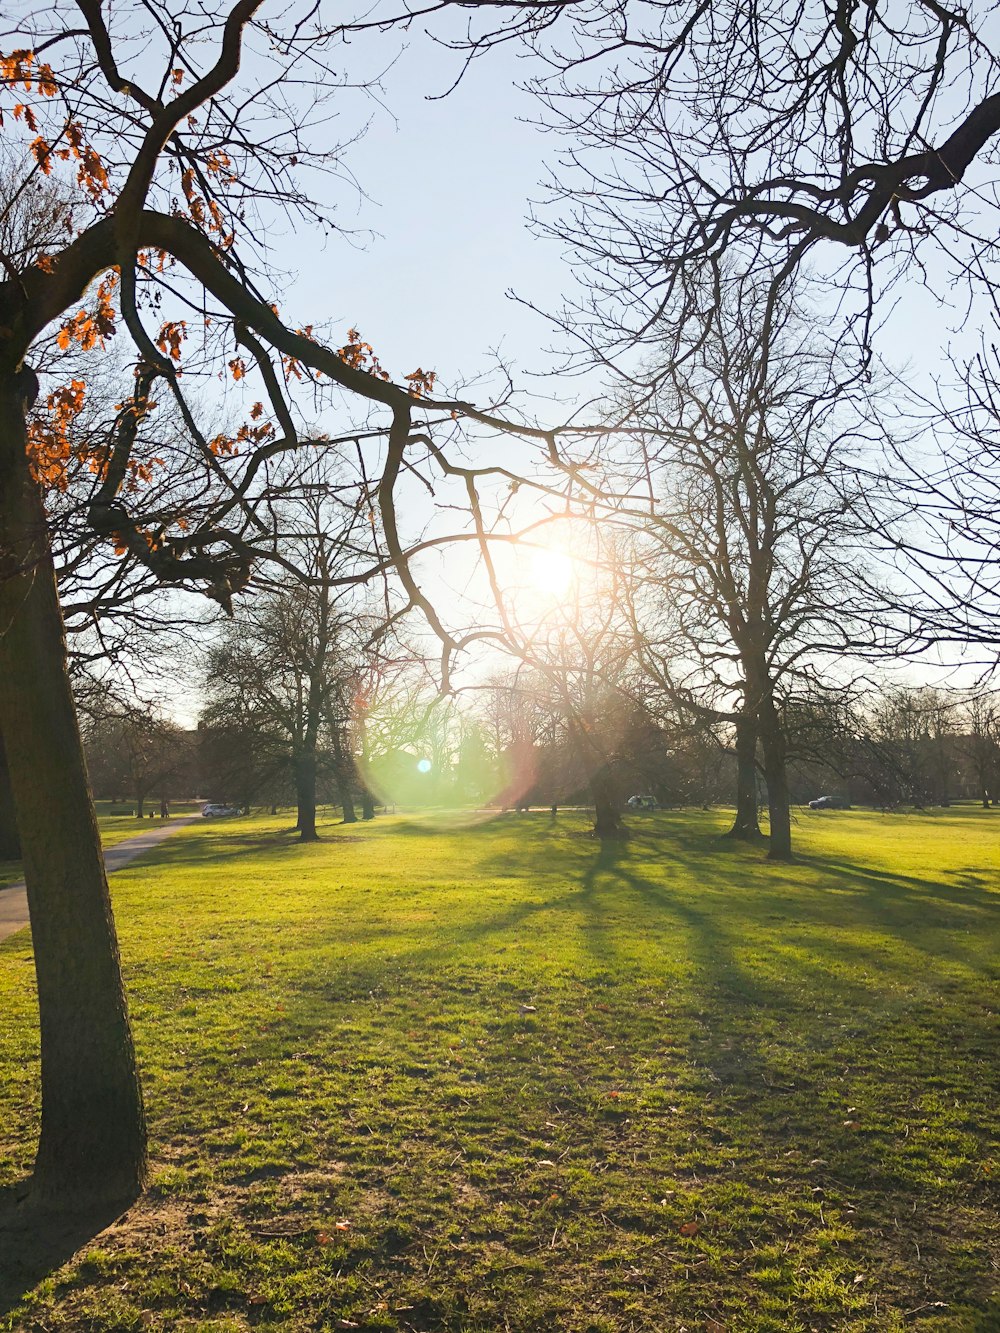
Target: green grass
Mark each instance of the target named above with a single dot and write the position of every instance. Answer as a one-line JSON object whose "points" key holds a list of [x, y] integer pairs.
{"points": [[493, 1078], [114, 829]]}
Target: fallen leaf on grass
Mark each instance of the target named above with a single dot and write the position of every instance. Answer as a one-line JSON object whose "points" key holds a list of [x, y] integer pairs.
{"points": [[852, 1124], [689, 1229], [713, 1326]]}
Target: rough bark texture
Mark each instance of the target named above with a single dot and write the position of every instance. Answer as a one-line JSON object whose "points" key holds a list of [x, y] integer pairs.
{"points": [[10, 839], [776, 774], [745, 825], [342, 774], [346, 799], [607, 821], [93, 1133], [305, 795]]}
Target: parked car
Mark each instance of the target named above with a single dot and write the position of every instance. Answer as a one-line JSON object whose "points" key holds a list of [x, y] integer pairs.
{"points": [[829, 803], [641, 802], [218, 811]]}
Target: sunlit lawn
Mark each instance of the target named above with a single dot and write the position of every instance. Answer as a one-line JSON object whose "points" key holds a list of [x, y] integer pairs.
{"points": [[428, 1078], [114, 829]]}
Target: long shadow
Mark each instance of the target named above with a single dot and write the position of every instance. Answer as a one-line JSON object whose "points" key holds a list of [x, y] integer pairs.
{"points": [[35, 1241], [209, 846], [589, 900], [738, 1050]]}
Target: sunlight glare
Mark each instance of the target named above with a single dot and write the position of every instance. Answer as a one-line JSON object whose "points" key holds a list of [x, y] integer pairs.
{"points": [[551, 571]]}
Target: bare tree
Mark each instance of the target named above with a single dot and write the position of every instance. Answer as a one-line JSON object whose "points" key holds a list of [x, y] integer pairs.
{"points": [[181, 145], [134, 751], [767, 132], [753, 580], [287, 662], [982, 745]]}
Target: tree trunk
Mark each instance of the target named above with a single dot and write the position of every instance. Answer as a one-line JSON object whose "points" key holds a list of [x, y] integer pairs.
{"points": [[10, 839], [342, 775], [773, 743], [745, 825], [346, 800], [140, 807], [607, 821], [367, 804], [305, 795], [92, 1147]]}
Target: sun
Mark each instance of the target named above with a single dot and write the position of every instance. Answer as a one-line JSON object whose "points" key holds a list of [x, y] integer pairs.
{"points": [[551, 572]]}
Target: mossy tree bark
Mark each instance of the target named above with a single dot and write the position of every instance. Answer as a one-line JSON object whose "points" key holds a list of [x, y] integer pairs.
{"points": [[92, 1147]]}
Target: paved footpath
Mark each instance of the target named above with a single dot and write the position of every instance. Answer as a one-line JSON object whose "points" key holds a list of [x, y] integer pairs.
{"points": [[14, 899]]}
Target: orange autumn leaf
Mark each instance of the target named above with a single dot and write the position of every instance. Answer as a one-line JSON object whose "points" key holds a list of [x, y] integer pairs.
{"points": [[223, 446], [218, 161], [359, 355], [25, 113], [90, 328], [42, 153], [50, 447], [172, 334], [421, 382], [22, 68]]}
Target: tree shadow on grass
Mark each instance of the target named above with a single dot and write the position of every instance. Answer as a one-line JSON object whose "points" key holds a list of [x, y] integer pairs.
{"points": [[187, 851], [35, 1241]]}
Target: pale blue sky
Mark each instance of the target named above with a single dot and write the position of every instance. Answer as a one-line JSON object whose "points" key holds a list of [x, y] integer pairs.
{"points": [[449, 182]]}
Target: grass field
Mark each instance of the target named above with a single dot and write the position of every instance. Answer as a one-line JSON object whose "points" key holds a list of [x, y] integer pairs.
{"points": [[114, 829], [492, 1078]]}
